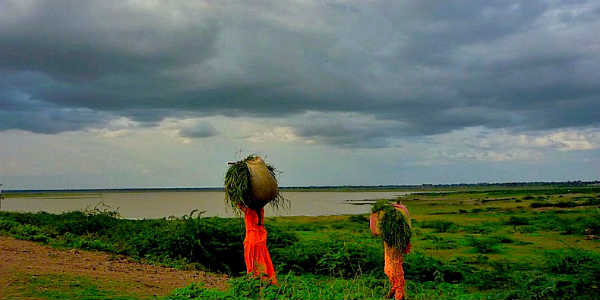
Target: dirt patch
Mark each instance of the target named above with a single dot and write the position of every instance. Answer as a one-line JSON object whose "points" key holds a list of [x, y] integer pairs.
{"points": [[19, 258]]}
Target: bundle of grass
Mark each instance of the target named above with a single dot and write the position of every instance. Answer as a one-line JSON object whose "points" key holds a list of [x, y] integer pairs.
{"points": [[252, 183], [392, 225]]}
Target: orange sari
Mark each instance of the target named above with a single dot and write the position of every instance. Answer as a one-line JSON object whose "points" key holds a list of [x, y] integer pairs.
{"points": [[393, 259], [256, 255]]}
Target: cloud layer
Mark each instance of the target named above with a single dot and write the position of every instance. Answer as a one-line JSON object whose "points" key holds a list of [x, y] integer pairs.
{"points": [[345, 73]]}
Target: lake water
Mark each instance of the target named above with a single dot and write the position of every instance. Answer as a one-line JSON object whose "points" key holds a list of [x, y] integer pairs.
{"points": [[150, 204]]}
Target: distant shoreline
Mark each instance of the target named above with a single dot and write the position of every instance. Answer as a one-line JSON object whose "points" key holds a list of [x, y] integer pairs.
{"points": [[347, 188]]}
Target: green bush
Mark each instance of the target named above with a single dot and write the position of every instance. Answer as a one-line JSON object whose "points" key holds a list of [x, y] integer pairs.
{"points": [[571, 260], [514, 220], [212, 243], [361, 219], [422, 268], [439, 225], [498, 275], [565, 204], [540, 204], [29, 232], [440, 242], [290, 286], [7, 225], [482, 228], [331, 256], [485, 244]]}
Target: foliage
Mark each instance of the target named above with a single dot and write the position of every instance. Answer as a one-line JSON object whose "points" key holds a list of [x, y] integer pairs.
{"points": [[380, 205], [440, 242], [209, 243], [515, 220], [394, 226], [485, 244], [571, 261], [361, 219], [290, 286], [567, 204], [512, 252], [331, 256], [439, 225], [238, 187], [47, 286]]}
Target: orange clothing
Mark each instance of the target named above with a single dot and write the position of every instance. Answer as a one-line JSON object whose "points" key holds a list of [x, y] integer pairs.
{"points": [[373, 223], [393, 270], [393, 258], [256, 255]]}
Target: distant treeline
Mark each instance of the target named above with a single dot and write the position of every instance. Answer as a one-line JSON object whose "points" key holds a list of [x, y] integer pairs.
{"points": [[336, 187], [480, 184]]}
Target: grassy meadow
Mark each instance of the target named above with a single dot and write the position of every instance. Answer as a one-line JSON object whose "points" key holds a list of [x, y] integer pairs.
{"points": [[496, 243]]}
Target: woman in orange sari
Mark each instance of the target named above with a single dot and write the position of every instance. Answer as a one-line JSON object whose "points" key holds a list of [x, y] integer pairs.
{"points": [[393, 259], [256, 255]]}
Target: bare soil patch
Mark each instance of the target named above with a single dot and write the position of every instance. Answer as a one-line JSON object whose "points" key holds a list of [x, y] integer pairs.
{"points": [[24, 258]]}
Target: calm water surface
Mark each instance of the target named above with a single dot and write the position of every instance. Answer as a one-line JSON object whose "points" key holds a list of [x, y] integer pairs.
{"points": [[151, 204]]}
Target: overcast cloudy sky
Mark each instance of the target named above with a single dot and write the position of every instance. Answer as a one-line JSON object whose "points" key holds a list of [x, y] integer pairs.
{"points": [[98, 94]]}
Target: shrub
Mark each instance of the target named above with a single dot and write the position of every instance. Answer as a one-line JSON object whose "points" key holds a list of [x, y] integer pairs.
{"points": [[591, 202], [498, 275], [7, 225], [440, 243], [197, 290], [423, 268], [540, 204], [514, 220], [571, 260], [439, 225], [331, 256], [482, 228], [290, 286], [29, 232], [565, 204], [484, 245], [526, 229], [502, 239], [361, 219]]}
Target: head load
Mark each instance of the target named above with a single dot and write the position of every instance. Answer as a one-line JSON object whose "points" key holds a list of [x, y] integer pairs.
{"points": [[252, 183], [392, 223]]}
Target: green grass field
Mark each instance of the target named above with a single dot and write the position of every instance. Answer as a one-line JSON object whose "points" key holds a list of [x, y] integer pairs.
{"points": [[501, 243], [67, 287]]}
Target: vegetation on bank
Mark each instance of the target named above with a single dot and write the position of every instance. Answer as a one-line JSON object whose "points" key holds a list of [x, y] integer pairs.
{"points": [[466, 245], [67, 286]]}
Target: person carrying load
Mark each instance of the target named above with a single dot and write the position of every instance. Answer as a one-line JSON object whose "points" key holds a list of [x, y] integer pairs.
{"points": [[250, 184], [392, 223]]}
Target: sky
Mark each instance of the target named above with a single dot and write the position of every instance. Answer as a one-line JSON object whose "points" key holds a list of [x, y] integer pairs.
{"points": [[113, 94]]}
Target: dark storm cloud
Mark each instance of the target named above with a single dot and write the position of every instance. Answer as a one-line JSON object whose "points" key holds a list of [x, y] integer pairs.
{"points": [[346, 130], [199, 130], [17, 111], [414, 67], [81, 41]]}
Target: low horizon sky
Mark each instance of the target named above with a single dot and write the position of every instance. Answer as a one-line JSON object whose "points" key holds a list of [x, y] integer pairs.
{"points": [[114, 94]]}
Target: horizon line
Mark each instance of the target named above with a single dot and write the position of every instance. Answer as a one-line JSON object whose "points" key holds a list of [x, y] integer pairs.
{"points": [[381, 186]]}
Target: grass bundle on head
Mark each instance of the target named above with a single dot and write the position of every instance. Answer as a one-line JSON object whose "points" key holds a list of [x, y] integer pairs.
{"points": [[394, 225], [252, 183]]}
